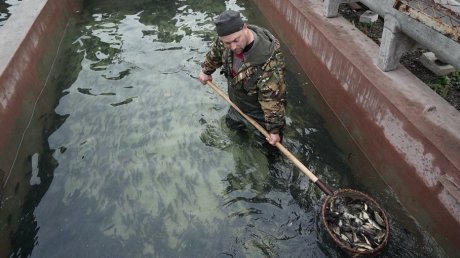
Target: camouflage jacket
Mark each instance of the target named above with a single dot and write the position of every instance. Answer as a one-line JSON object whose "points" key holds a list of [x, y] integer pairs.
{"points": [[259, 87]]}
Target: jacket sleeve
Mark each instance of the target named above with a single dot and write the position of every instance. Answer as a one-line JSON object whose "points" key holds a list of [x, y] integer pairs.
{"points": [[213, 58], [272, 94]]}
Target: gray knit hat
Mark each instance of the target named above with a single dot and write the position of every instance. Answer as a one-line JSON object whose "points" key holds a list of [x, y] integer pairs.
{"points": [[228, 22]]}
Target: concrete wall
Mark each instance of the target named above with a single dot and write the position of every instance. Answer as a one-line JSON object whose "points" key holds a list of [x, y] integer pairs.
{"points": [[30, 39], [409, 134]]}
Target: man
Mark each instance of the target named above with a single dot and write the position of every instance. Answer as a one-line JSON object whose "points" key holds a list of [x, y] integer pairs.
{"points": [[250, 58]]}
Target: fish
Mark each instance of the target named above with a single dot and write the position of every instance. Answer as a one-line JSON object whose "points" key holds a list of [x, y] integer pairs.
{"points": [[378, 219], [356, 223], [365, 246]]}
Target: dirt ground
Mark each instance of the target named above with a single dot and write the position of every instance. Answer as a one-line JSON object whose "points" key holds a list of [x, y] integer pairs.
{"points": [[447, 87]]}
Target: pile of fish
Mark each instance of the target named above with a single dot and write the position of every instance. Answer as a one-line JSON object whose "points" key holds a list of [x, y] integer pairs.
{"points": [[357, 224]]}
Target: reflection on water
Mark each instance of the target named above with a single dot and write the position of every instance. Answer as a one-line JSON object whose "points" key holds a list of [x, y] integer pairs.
{"points": [[141, 163]]}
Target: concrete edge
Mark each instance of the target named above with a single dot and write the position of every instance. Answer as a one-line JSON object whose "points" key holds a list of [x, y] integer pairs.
{"points": [[30, 39]]}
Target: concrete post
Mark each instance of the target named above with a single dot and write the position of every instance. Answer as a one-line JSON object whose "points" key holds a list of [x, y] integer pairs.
{"points": [[445, 48], [331, 8], [394, 44]]}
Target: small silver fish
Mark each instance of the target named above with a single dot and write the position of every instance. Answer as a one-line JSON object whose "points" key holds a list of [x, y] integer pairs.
{"points": [[375, 225], [356, 223], [379, 219], [366, 246]]}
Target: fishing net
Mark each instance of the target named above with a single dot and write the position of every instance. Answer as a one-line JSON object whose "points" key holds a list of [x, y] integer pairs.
{"points": [[355, 222]]}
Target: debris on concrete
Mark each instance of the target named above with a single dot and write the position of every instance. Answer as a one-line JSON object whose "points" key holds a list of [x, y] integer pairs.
{"points": [[368, 17]]}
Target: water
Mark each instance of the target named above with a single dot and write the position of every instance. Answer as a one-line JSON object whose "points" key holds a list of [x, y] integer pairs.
{"points": [[138, 162], [7, 8]]}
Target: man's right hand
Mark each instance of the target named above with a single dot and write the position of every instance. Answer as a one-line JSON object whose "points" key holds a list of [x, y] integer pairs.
{"points": [[204, 77]]}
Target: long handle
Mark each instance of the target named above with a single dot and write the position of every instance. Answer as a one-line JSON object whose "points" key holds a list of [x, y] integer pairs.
{"points": [[285, 151]]}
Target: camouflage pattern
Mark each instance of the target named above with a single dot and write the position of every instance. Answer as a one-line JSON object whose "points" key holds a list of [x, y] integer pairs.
{"points": [[259, 87]]}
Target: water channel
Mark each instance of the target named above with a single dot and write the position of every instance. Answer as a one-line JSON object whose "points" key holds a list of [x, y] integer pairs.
{"points": [[138, 161]]}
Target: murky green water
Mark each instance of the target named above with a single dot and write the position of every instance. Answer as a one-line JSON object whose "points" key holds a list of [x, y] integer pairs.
{"points": [[138, 161]]}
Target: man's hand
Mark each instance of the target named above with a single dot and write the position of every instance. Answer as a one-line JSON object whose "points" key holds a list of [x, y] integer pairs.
{"points": [[204, 77], [274, 138]]}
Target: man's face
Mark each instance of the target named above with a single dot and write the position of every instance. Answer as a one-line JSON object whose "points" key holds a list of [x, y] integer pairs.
{"points": [[237, 41]]}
